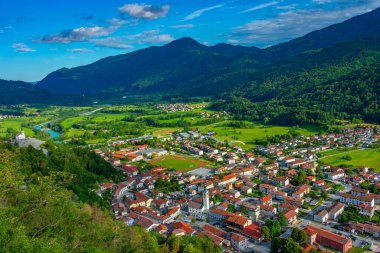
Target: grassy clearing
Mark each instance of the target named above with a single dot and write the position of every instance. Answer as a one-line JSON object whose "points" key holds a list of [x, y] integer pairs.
{"points": [[165, 131], [15, 124], [366, 157], [247, 135], [180, 163], [334, 152]]}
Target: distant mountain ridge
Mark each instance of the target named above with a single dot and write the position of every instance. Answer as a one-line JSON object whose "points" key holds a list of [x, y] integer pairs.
{"points": [[19, 92], [185, 64], [312, 79]]}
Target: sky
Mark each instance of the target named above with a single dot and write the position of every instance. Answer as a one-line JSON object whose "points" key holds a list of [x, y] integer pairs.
{"points": [[40, 36]]}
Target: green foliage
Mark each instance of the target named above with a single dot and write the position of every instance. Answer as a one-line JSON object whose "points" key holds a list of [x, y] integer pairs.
{"points": [[231, 208], [39, 213], [351, 213], [167, 186], [300, 179], [285, 246]]}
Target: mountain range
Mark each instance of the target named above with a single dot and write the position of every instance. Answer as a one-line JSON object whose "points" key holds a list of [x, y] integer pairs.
{"points": [[290, 75]]}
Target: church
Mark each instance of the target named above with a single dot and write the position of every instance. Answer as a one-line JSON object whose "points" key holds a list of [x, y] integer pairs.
{"points": [[200, 209]]}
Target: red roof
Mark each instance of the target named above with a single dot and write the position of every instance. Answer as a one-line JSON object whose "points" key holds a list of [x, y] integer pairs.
{"points": [[183, 225], [253, 231]]}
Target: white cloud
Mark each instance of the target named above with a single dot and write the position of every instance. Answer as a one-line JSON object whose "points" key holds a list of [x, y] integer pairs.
{"points": [[112, 42], [22, 48], [145, 11], [199, 13], [79, 50], [295, 23], [286, 7], [79, 34], [260, 6], [117, 22], [151, 37], [182, 26], [322, 1]]}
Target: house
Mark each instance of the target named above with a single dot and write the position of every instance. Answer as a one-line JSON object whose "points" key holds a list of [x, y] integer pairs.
{"points": [[293, 201], [253, 231], [321, 216], [231, 178], [266, 200], [366, 210], [368, 228], [336, 211], [130, 170], [335, 175], [237, 221], [134, 157], [266, 187], [301, 191], [184, 226], [278, 194], [359, 191], [239, 242], [319, 183], [281, 181], [357, 200], [291, 216], [218, 214], [327, 239], [162, 229], [287, 207], [267, 210]]}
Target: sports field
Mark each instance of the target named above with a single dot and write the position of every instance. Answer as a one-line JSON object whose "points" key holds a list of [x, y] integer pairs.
{"points": [[179, 162], [361, 157]]}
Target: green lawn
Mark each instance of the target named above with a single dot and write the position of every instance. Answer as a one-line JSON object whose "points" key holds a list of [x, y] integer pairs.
{"points": [[334, 152], [258, 131], [367, 157], [181, 164], [358, 250], [15, 124]]}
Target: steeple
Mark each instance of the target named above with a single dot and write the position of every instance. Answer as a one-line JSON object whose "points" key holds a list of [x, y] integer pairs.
{"points": [[206, 200]]}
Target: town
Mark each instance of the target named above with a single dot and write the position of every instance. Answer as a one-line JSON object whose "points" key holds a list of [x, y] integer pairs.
{"points": [[192, 183]]}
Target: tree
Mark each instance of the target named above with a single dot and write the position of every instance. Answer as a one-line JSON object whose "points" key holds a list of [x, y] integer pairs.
{"points": [[282, 219], [243, 209], [231, 208], [302, 237], [325, 195], [290, 246], [295, 234], [266, 233]]}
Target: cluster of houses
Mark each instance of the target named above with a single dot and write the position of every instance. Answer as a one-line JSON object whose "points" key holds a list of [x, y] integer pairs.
{"points": [[239, 195], [214, 114], [8, 116], [179, 107]]}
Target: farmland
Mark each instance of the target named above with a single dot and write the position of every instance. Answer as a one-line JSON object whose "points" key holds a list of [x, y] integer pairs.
{"points": [[360, 157]]}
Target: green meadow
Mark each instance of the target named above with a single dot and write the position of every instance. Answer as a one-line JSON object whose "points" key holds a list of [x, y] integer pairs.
{"points": [[361, 157]]}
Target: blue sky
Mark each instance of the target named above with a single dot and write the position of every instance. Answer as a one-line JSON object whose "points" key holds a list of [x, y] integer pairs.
{"points": [[40, 36]]}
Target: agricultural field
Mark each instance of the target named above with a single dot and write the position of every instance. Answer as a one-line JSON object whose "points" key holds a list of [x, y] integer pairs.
{"points": [[331, 152], [359, 157], [245, 136], [180, 163], [17, 124]]}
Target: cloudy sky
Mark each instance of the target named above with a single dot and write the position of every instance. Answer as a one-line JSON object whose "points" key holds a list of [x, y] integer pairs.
{"points": [[40, 36]]}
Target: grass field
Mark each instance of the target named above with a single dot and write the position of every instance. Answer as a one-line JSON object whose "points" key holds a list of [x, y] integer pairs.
{"points": [[331, 152], [245, 136], [14, 124], [366, 157], [178, 162]]}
